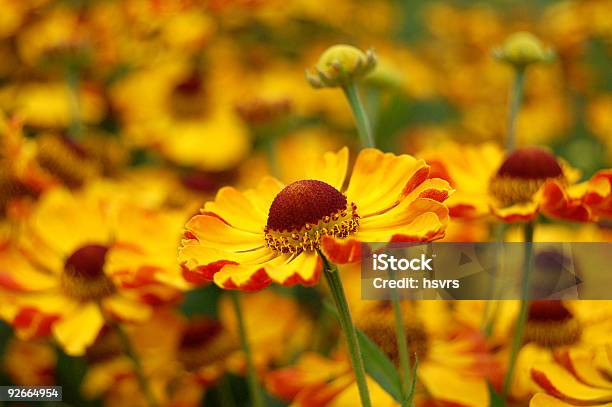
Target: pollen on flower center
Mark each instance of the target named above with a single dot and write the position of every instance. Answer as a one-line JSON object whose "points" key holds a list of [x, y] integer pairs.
{"points": [[306, 210], [84, 277], [551, 324], [522, 173]]}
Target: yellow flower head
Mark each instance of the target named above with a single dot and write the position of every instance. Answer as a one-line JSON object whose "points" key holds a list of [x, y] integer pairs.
{"points": [[529, 181], [341, 64], [80, 259], [523, 48], [272, 233]]}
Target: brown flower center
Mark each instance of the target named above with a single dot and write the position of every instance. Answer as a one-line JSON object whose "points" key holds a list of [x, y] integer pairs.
{"points": [[551, 324], [522, 173], [259, 111], [204, 342], [65, 159], [306, 210], [378, 324], [188, 99], [84, 276]]}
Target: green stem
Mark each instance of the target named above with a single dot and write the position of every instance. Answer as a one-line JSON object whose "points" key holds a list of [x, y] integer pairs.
{"points": [[346, 323], [72, 81], [402, 346], [361, 119], [516, 96], [224, 392], [517, 339], [254, 389], [142, 378], [489, 319]]}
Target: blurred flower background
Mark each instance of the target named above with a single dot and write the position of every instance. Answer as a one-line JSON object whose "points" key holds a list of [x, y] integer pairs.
{"points": [[120, 119]]}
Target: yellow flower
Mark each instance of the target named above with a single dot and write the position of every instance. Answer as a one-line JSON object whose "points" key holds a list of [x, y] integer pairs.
{"points": [[341, 64], [48, 105], [529, 181], [30, 363], [111, 374], [186, 115], [453, 363], [78, 271], [271, 233], [558, 336]]}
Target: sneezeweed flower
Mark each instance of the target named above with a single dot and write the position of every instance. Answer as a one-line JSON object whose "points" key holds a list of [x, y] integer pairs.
{"points": [[30, 362], [523, 48], [182, 107], [529, 181], [248, 240], [111, 374], [453, 363], [575, 377], [63, 285], [211, 348], [570, 334]]}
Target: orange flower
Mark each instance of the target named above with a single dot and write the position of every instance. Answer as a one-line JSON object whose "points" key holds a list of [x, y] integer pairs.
{"points": [[453, 363], [269, 234], [575, 377], [529, 181], [70, 269]]}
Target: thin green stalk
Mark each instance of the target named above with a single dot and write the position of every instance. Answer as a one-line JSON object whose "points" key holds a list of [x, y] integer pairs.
{"points": [[254, 389], [361, 119], [346, 323], [517, 339], [516, 96], [402, 346], [142, 378], [224, 393], [493, 290]]}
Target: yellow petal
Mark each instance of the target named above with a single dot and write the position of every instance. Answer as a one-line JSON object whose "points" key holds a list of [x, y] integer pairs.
{"points": [[126, 309], [234, 208], [331, 168], [453, 386], [554, 379], [379, 180], [213, 232], [79, 329]]}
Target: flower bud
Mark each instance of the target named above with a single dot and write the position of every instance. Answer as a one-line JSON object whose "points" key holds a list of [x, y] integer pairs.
{"points": [[341, 64], [523, 48], [385, 76]]}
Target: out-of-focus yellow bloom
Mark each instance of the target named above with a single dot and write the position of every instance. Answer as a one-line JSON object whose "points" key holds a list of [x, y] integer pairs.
{"points": [[529, 181], [599, 120], [341, 64], [563, 332], [48, 105], [66, 285], [305, 145], [30, 362], [453, 364], [111, 373], [184, 114], [269, 234]]}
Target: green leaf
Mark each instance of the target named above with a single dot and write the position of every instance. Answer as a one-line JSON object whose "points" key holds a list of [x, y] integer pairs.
{"points": [[408, 400], [377, 364], [379, 367]]}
